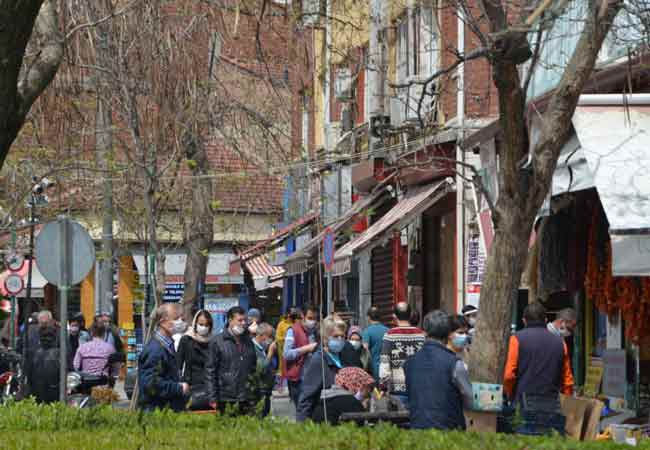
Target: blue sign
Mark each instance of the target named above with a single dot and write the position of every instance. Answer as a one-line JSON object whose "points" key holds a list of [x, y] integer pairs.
{"points": [[328, 249], [173, 292]]}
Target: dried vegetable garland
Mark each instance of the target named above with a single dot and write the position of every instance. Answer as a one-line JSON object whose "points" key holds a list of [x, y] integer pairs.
{"points": [[630, 295]]}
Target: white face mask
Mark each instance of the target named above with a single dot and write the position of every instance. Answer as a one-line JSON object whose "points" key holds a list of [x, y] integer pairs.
{"points": [[472, 321], [309, 324], [179, 326], [355, 344], [252, 329], [202, 330], [237, 330]]}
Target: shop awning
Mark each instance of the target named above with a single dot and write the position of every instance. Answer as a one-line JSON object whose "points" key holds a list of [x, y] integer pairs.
{"points": [[614, 132], [414, 203], [278, 238], [298, 262], [262, 272]]}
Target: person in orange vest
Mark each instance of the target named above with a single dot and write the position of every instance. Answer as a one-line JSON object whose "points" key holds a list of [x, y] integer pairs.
{"points": [[538, 361]]}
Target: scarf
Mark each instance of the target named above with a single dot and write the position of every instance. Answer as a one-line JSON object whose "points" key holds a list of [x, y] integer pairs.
{"points": [[191, 331]]}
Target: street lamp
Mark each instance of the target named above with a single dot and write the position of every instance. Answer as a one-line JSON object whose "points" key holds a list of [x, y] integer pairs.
{"points": [[37, 197]]}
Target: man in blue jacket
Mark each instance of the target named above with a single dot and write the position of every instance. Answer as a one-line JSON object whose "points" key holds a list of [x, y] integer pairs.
{"points": [[437, 382], [158, 372]]}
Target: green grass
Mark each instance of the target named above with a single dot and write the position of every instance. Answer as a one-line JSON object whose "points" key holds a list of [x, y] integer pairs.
{"points": [[29, 426]]}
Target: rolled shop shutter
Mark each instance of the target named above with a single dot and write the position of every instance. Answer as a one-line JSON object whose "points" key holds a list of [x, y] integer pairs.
{"points": [[382, 281]]}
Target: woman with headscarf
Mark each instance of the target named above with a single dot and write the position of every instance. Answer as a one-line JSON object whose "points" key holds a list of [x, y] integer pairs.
{"points": [[351, 386], [354, 354], [192, 356]]}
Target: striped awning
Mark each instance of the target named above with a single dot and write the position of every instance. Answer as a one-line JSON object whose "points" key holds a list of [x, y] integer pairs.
{"points": [[262, 271], [414, 203]]}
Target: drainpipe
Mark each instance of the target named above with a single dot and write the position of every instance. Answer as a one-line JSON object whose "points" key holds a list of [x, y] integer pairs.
{"points": [[460, 156]]}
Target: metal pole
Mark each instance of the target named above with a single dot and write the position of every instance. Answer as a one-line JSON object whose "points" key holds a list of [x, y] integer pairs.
{"points": [[64, 286], [330, 306], [28, 295], [12, 325]]}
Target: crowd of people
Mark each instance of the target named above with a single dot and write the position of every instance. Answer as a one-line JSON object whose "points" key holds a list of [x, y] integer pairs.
{"points": [[331, 368], [88, 351], [328, 366]]}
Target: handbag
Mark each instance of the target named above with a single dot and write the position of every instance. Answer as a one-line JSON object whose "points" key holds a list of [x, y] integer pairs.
{"points": [[199, 398]]}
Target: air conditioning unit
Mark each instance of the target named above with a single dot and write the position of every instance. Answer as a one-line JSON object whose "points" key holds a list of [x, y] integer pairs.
{"points": [[343, 85], [332, 135]]}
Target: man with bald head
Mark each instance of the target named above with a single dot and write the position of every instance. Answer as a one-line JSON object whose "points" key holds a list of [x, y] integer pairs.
{"points": [[398, 345], [159, 377]]}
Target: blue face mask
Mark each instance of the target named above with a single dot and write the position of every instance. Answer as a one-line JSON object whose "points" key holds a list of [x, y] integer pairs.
{"points": [[335, 345], [460, 340]]}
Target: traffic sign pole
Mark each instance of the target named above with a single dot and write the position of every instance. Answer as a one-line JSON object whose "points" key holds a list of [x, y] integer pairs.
{"points": [[12, 325], [64, 286]]}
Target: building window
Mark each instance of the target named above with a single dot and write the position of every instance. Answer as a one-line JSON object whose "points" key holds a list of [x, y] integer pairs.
{"points": [[417, 58]]}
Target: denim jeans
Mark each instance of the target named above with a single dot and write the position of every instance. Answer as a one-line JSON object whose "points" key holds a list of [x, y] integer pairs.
{"points": [[294, 391]]}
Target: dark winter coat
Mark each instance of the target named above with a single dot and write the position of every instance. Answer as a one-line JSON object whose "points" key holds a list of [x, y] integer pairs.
{"points": [[339, 401], [312, 383], [230, 367], [159, 378], [192, 357], [44, 365]]}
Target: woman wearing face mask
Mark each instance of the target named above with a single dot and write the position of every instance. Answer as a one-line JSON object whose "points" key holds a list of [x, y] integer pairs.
{"points": [[192, 356], [352, 386], [321, 368], [458, 339], [354, 354]]}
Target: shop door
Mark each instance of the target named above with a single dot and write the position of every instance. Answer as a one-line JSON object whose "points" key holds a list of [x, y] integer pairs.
{"points": [[382, 281]]}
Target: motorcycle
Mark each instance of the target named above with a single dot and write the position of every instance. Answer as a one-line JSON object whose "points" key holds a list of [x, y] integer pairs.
{"points": [[10, 374], [80, 384]]}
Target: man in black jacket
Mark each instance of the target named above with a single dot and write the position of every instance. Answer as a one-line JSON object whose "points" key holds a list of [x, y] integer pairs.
{"points": [[231, 364], [159, 376]]}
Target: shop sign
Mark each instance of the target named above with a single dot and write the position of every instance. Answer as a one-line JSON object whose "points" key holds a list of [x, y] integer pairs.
{"points": [[174, 292]]}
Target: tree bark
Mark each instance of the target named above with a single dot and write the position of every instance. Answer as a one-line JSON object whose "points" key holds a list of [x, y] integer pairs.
{"points": [[523, 188], [21, 83], [200, 232]]}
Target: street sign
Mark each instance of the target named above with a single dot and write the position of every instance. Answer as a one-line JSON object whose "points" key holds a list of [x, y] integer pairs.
{"points": [[14, 261], [64, 239], [66, 254], [328, 249], [14, 284]]}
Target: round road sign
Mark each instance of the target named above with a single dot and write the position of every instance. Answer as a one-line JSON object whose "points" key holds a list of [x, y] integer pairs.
{"points": [[14, 284], [15, 262], [63, 247]]}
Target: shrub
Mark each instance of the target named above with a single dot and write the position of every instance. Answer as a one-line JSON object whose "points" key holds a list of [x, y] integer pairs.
{"points": [[48, 427]]}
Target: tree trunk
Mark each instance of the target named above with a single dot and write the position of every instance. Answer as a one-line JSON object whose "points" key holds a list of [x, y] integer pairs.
{"points": [[522, 189], [199, 235], [20, 86]]}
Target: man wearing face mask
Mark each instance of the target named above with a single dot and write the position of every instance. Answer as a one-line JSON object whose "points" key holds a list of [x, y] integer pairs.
{"points": [[112, 333], [159, 377], [538, 361], [77, 336], [564, 324], [299, 342], [470, 313], [265, 372], [231, 362]]}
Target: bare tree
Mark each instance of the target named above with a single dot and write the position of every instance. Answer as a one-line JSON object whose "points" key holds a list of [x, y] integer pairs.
{"points": [[31, 50]]}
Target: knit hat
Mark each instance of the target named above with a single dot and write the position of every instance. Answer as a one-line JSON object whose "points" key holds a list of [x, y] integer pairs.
{"points": [[353, 379]]}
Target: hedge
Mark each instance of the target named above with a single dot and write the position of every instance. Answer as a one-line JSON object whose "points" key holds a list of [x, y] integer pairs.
{"points": [[26, 425]]}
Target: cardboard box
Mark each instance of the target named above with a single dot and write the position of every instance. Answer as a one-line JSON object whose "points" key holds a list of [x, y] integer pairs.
{"points": [[481, 421]]}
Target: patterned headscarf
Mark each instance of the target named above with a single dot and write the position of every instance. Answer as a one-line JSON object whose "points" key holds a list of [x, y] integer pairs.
{"points": [[354, 330], [353, 379]]}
